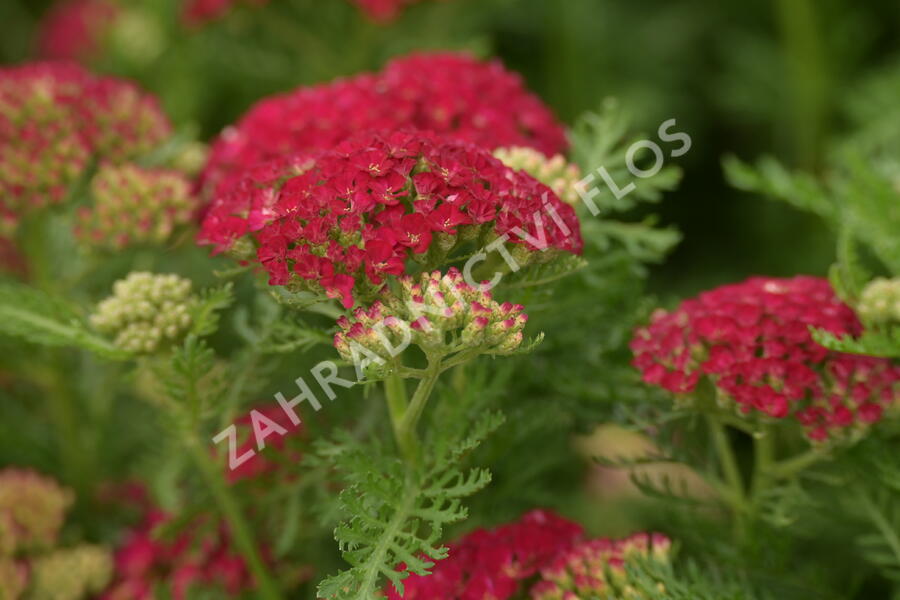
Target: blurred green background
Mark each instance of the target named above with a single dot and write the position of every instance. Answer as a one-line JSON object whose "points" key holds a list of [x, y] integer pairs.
{"points": [[775, 77]]}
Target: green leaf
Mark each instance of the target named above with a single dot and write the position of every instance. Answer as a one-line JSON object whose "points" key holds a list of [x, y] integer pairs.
{"points": [[39, 318], [205, 313], [396, 513]]}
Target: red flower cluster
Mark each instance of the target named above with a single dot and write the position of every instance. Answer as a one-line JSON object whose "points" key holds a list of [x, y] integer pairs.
{"points": [[383, 10], [753, 341], [340, 220], [198, 12], [54, 117], [261, 464], [72, 29], [596, 568], [197, 558], [452, 94], [494, 563]]}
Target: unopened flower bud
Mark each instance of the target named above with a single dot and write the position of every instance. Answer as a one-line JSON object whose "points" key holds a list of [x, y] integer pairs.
{"points": [[879, 303], [147, 312]]}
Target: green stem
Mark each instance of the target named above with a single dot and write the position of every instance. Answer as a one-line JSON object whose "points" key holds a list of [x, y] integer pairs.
{"points": [[231, 512], [727, 461], [406, 429], [808, 76], [397, 401], [792, 466], [763, 459]]}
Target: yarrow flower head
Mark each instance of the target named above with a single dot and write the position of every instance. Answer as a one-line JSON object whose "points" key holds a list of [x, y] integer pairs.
{"points": [[72, 29], [597, 569], [278, 444], [32, 511], [146, 312], [752, 340], [132, 205], [556, 173], [70, 574], [199, 12], [341, 221], [453, 94], [879, 303], [383, 10], [437, 313], [198, 559], [494, 563], [56, 117]]}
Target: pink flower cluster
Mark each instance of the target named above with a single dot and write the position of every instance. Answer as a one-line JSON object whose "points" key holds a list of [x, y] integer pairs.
{"points": [[198, 12], [753, 341], [132, 205], [341, 220], [500, 563], [72, 29], [596, 568], [278, 450], [56, 117], [199, 557], [383, 10], [493, 563], [451, 94]]}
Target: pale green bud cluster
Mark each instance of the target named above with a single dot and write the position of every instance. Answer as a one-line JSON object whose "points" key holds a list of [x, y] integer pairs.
{"points": [[70, 574], [146, 312], [442, 314], [556, 173], [879, 303]]}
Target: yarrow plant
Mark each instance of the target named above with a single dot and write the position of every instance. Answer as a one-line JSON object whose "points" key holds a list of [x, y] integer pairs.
{"points": [[447, 318], [556, 173], [340, 221], [33, 565], [454, 95], [502, 563], [131, 206], [199, 558], [146, 312], [74, 29], [55, 118], [752, 340]]}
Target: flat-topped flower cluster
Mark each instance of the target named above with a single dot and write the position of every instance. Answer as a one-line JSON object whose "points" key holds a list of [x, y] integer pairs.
{"points": [[753, 341], [55, 118], [451, 94], [500, 563], [340, 220]]}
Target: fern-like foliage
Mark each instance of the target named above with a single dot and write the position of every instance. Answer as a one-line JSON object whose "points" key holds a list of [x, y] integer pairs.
{"points": [[655, 580], [396, 513], [37, 317], [881, 342], [603, 140]]}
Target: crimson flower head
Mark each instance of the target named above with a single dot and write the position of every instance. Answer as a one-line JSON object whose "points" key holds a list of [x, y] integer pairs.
{"points": [[340, 221], [752, 341], [493, 563], [199, 12], [278, 445], [71, 29], [54, 119], [383, 10], [449, 93], [199, 558]]}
